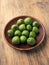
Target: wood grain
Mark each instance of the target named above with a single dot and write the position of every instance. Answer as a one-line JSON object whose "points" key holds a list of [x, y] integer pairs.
{"points": [[12, 8]]}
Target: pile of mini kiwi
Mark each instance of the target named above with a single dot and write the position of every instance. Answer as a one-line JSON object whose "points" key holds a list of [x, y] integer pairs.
{"points": [[24, 31]]}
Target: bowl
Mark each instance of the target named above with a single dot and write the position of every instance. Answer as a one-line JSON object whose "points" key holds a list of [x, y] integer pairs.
{"points": [[39, 39]]}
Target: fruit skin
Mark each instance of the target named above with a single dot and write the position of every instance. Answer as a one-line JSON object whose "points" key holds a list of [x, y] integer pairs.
{"points": [[17, 33], [31, 41], [35, 23], [14, 27], [22, 27], [25, 33], [23, 39], [20, 21], [10, 33], [15, 40], [27, 20], [35, 29], [32, 34], [29, 27]]}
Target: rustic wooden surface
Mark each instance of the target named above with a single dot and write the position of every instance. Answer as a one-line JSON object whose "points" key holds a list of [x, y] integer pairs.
{"points": [[12, 8]]}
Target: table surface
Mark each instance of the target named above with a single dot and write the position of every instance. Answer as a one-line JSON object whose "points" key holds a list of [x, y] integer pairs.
{"points": [[13, 8]]}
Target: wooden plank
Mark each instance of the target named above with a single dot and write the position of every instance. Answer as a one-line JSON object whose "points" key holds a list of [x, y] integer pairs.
{"points": [[36, 8]]}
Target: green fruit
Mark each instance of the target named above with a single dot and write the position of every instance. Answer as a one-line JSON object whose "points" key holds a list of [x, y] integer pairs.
{"points": [[22, 27], [23, 39], [27, 21], [25, 33], [15, 40], [35, 29], [29, 27], [10, 33], [17, 33], [20, 21], [35, 24], [31, 41], [32, 34], [14, 27]]}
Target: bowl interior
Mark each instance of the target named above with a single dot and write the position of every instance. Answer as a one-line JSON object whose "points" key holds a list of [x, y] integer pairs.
{"points": [[39, 38]]}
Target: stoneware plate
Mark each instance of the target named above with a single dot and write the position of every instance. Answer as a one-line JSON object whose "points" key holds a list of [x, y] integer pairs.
{"points": [[39, 40]]}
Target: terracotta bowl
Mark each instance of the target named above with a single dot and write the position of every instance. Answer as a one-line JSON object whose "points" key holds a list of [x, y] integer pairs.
{"points": [[39, 38]]}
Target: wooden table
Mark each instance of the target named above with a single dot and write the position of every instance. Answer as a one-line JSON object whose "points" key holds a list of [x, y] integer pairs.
{"points": [[12, 8]]}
